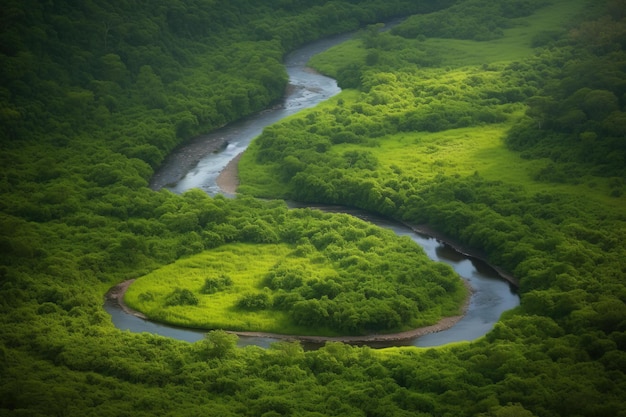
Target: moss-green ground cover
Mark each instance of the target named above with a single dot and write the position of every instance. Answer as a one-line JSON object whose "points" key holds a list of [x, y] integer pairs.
{"points": [[466, 151]]}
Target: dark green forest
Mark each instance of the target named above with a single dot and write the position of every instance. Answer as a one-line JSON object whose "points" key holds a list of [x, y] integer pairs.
{"points": [[94, 95]]}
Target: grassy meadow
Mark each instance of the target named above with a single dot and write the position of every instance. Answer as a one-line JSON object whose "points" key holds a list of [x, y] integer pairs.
{"points": [[246, 264], [319, 275], [515, 44], [218, 310], [517, 41]]}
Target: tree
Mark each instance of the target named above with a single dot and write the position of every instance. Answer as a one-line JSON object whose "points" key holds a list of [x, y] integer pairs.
{"points": [[309, 313], [598, 104], [150, 88], [217, 344], [254, 301], [215, 284], [113, 69]]}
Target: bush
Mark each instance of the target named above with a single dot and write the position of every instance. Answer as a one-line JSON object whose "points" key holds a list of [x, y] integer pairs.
{"points": [[254, 301], [215, 284], [181, 297]]}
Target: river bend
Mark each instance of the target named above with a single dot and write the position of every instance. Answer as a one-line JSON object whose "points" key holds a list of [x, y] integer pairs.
{"points": [[199, 163]]}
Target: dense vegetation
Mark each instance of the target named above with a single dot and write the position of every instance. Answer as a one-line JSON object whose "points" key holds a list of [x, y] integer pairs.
{"points": [[576, 118], [478, 145], [94, 94], [314, 274]]}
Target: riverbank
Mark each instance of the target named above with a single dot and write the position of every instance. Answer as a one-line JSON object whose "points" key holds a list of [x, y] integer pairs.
{"points": [[228, 179], [426, 230], [179, 162], [115, 296]]}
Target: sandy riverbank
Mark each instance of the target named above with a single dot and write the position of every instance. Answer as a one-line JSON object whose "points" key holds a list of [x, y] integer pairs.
{"points": [[228, 179], [116, 296]]}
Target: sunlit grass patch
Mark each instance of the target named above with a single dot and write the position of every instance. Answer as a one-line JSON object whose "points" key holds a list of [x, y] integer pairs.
{"points": [[245, 264], [346, 53], [467, 151], [255, 179], [517, 41], [447, 153]]}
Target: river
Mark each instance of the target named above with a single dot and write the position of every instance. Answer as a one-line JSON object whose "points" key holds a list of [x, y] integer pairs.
{"points": [[198, 164]]}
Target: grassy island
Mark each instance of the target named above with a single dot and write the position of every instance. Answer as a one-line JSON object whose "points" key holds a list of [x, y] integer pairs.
{"points": [[329, 275]]}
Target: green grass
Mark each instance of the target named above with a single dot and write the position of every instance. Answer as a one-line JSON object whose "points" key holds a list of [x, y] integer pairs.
{"points": [[349, 52], [516, 42], [256, 179], [515, 45], [218, 311], [462, 152]]}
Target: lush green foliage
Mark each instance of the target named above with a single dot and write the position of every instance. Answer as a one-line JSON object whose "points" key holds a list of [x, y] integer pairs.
{"points": [[94, 94], [426, 142], [337, 275], [472, 19], [576, 117]]}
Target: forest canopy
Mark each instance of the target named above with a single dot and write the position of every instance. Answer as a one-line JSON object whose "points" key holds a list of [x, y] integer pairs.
{"points": [[498, 123]]}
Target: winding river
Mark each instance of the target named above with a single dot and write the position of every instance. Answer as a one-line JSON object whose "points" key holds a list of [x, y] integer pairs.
{"points": [[198, 164]]}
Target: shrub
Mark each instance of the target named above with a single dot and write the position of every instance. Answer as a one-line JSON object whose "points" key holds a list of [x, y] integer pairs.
{"points": [[181, 297], [254, 301], [215, 284]]}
